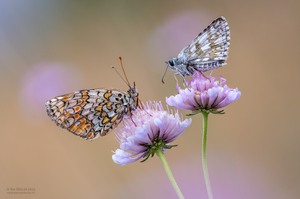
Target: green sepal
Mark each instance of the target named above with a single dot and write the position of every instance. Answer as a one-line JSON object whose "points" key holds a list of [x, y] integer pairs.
{"points": [[213, 111]]}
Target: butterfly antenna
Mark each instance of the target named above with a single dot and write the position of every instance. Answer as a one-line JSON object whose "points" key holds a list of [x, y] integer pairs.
{"points": [[120, 59], [162, 79], [120, 76]]}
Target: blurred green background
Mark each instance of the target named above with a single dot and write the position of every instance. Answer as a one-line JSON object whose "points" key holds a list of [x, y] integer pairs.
{"points": [[48, 48]]}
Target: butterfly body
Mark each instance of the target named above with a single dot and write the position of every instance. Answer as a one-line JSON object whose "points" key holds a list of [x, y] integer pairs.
{"points": [[208, 51], [93, 112]]}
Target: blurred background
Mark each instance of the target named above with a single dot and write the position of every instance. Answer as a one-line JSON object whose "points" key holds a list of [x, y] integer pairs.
{"points": [[49, 48]]}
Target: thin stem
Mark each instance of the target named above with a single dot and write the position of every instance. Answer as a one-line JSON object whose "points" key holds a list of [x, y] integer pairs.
{"points": [[169, 173], [204, 163]]}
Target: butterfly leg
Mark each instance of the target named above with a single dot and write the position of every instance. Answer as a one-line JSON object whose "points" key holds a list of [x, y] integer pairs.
{"points": [[203, 75], [184, 81], [175, 77], [130, 115]]}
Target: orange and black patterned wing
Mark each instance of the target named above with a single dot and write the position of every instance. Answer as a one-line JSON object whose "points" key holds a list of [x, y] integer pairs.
{"points": [[89, 113]]}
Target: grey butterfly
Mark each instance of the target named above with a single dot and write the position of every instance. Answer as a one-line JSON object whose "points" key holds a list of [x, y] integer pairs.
{"points": [[208, 51]]}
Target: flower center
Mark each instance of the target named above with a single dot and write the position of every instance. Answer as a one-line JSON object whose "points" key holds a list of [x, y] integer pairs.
{"points": [[156, 144]]}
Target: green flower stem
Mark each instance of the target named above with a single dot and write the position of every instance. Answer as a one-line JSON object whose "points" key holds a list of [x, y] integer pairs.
{"points": [[204, 163], [160, 154]]}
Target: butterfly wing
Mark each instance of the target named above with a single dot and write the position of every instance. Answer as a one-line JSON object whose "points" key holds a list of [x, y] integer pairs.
{"points": [[89, 113], [209, 49]]}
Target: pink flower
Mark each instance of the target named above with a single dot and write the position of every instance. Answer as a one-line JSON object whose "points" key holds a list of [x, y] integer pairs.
{"points": [[204, 93], [148, 130]]}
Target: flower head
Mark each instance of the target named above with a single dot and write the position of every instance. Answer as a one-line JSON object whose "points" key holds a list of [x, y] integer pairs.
{"points": [[148, 130], [204, 93]]}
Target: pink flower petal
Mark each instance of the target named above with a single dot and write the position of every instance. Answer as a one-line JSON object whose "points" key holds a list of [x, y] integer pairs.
{"points": [[150, 123], [204, 93]]}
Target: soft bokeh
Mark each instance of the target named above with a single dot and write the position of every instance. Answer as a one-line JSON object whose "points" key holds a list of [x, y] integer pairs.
{"points": [[43, 82], [48, 48]]}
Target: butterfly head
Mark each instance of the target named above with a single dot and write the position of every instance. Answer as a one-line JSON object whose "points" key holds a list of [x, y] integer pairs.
{"points": [[176, 64], [134, 95], [172, 63]]}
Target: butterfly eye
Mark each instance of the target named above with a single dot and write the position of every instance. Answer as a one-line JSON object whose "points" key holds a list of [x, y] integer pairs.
{"points": [[132, 90], [171, 63]]}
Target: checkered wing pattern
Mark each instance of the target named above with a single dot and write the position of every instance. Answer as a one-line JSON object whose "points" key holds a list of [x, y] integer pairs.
{"points": [[209, 50], [91, 113]]}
